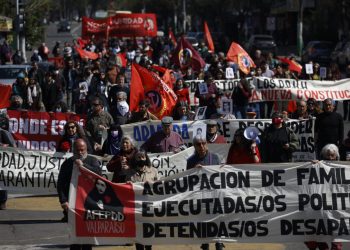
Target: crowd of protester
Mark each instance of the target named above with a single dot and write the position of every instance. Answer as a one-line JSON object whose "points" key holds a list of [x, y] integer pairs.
{"points": [[101, 90]]}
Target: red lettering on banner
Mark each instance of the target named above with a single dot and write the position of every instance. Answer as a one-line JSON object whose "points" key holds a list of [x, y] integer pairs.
{"points": [[300, 94], [347, 94]]}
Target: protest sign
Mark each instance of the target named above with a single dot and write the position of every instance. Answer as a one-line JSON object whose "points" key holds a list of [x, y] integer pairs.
{"points": [[243, 203], [121, 25], [273, 89], [304, 129], [39, 130]]}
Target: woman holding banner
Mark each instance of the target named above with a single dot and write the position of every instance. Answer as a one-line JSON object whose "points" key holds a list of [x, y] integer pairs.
{"points": [[121, 163]]}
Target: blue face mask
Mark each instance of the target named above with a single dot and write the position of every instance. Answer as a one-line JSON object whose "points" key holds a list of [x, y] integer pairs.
{"points": [[115, 133]]}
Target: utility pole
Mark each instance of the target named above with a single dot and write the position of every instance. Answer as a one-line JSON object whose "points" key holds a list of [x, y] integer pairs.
{"points": [[300, 28], [20, 25], [184, 15]]}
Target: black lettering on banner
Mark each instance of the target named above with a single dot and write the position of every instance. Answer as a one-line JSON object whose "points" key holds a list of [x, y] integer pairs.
{"points": [[226, 129], [269, 178], [324, 201], [205, 229], [315, 227], [322, 176]]}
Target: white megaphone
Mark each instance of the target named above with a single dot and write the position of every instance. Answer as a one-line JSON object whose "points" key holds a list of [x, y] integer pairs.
{"points": [[252, 134]]}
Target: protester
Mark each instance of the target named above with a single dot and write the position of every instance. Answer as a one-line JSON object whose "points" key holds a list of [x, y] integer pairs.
{"points": [[207, 93], [200, 158], [301, 112], [329, 152], [51, 92], [70, 75], [164, 140], [143, 113], [240, 98], [182, 92], [120, 109], [213, 134], [80, 158], [97, 122], [121, 163], [34, 96], [72, 132], [279, 141], [6, 140], [112, 145], [16, 103], [329, 126], [142, 171], [182, 112], [242, 150]]}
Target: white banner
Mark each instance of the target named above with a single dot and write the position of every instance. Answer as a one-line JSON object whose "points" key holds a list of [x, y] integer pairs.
{"points": [[273, 89], [35, 172], [304, 129], [245, 203]]}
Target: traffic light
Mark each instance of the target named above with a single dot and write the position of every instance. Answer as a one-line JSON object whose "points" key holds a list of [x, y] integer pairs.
{"points": [[21, 20]]}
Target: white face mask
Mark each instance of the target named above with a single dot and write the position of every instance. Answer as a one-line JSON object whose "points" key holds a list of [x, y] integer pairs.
{"points": [[58, 109], [123, 107]]}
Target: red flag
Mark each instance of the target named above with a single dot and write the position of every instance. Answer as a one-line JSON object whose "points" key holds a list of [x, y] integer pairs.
{"points": [[122, 57], [208, 38], [172, 37], [185, 56], [5, 94], [293, 65], [160, 95], [137, 92], [86, 54], [167, 75], [82, 42], [238, 55]]}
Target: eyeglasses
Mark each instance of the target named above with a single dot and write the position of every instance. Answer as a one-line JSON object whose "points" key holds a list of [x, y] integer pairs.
{"points": [[95, 104], [71, 127], [200, 143]]}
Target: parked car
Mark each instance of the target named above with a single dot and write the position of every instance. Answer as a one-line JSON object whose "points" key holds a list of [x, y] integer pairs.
{"points": [[265, 43], [63, 26], [341, 53], [317, 51], [9, 72]]}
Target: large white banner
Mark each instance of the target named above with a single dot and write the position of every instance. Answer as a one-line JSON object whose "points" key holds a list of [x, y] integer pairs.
{"points": [[304, 129], [245, 203], [35, 172], [273, 89]]}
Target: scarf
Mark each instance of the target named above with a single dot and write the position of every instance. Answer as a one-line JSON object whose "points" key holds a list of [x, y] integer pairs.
{"points": [[32, 93], [211, 139], [113, 145]]}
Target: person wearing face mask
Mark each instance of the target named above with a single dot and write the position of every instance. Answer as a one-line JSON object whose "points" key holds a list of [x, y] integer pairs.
{"points": [[120, 109], [34, 96], [80, 158], [111, 146], [143, 171], [278, 141], [329, 126]]}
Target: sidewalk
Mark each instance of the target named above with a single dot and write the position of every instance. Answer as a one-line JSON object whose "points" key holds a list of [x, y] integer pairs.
{"points": [[29, 219]]}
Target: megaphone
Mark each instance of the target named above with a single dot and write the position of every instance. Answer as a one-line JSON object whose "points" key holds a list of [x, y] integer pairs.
{"points": [[252, 134]]}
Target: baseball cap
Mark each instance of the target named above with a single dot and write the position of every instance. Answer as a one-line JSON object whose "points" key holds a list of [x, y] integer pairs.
{"points": [[167, 120]]}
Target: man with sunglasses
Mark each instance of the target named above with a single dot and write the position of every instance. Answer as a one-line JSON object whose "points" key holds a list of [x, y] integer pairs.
{"points": [[97, 122]]}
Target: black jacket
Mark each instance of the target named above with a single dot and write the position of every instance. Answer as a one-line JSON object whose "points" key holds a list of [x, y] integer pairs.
{"points": [[65, 175]]}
